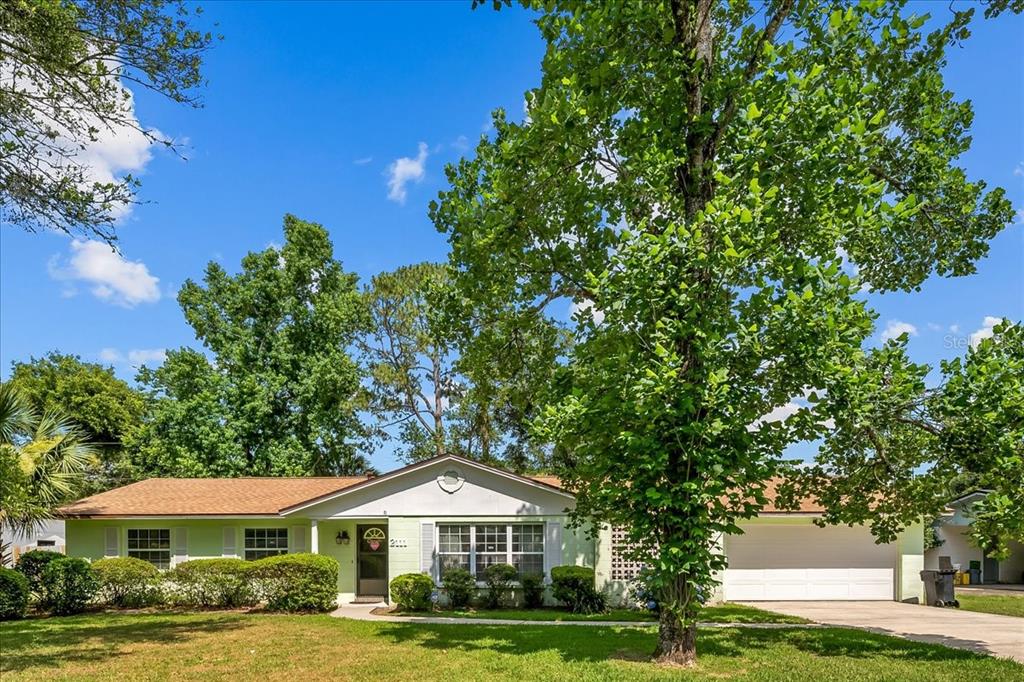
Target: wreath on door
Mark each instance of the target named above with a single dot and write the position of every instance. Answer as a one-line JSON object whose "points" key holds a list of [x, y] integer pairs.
{"points": [[374, 538]]}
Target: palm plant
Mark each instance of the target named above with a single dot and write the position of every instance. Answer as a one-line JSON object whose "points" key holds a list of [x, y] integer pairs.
{"points": [[42, 461]]}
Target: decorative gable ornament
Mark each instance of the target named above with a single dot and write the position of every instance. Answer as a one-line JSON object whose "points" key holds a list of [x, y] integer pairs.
{"points": [[451, 480]]}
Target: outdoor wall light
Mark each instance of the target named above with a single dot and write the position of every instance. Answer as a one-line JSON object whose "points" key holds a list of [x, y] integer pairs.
{"points": [[342, 537]]}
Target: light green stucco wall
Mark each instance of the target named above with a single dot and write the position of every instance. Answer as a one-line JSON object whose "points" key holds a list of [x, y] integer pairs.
{"points": [[86, 538]]}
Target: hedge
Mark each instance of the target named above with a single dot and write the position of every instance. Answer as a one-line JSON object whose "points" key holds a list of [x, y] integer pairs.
{"points": [[412, 591], [31, 564], [574, 587], [499, 579], [296, 582], [211, 582], [459, 585], [13, 594], [69, 584], [127, 582]]}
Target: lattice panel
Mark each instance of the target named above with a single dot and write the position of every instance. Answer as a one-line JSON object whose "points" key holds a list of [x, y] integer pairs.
{"points": [[622, 568]]}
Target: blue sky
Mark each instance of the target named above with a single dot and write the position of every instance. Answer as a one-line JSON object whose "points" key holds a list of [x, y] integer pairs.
{"points": [[308, 108]]}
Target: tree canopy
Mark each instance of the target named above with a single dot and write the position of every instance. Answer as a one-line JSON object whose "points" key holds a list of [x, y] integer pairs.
{"points": [[105, 408], [67, 68], [713, 185], [277, 392]]}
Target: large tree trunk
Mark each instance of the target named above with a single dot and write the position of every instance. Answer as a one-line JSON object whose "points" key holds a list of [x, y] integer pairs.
{"points": [[677, 643]]}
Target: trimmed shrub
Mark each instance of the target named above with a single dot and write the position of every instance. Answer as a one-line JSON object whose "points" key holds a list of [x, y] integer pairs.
{"points": [[13, 594], [296, 582], [574, 587], [69, 585], [127, 581], [458, 585], [222, 583], [499, 579], [31, 564], [412, 591], [533, 590]]}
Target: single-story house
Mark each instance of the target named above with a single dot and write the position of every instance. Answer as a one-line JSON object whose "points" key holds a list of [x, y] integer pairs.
{"points": [[953, 530], [449, 511]]}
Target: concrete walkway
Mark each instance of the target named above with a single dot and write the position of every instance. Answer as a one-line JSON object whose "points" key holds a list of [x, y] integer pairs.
{"points": [[363, 612], [981, 632]]}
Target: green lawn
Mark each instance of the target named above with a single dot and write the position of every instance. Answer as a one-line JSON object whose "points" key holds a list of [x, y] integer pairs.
{"points": [[725, 613], [238, 646], [1008, 605]]}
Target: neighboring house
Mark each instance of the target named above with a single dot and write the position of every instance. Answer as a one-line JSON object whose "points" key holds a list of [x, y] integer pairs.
{"points": [[449, 511], [48, 536], [953, 530]]}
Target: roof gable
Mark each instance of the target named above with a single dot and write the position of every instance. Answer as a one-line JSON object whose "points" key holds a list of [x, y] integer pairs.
{"points": [[441, 486]]}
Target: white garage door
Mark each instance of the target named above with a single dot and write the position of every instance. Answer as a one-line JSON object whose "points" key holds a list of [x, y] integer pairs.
{"points": [[807, 563]]}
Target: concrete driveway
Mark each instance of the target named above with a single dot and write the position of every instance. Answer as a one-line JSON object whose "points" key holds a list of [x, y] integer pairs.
{"points": [[982, 632]]}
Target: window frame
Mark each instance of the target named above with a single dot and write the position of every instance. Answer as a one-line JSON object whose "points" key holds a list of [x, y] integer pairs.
{"points": [[266, 550], [470, 563], [476, 552], [145, 553]]}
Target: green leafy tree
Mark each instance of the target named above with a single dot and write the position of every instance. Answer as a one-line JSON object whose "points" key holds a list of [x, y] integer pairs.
{"points": [[43, 460], [447, 378], [410, 359], [278, 393], [890, 427], [711, 184], [67, 67], [105, 408]]}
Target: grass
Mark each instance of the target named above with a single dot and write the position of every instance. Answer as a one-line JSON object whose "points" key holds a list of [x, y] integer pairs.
{"points": [[1008, 605], [232, 645], [724, 613]]}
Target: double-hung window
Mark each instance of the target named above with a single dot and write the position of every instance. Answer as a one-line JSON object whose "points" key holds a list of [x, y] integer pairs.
{"points": [[528, 549], [491, 547], [151, 544], [264, 542], [453, 546], [475, 547]]}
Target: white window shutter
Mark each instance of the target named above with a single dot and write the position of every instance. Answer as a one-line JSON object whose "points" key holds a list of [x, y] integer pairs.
{"points": [[111, 542], [427, 549], [297, 539], [179, 541], [552, 547], [230, 540]]}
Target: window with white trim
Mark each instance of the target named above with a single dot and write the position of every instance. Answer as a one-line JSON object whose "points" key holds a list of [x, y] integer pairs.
{"points": [[453, 546], [528, 549], [491, 547], [150, 544], [264, 542], [482, 545]]}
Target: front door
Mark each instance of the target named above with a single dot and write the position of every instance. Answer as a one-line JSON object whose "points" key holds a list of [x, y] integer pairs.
{"points": [[372, 561]]}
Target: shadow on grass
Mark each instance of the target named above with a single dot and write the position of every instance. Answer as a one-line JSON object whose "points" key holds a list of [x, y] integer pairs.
{"points": [[45, 642], [599, 644]]}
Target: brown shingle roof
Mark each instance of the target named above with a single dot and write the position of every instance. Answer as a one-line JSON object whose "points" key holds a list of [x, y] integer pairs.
{"points": [[206, 496]]}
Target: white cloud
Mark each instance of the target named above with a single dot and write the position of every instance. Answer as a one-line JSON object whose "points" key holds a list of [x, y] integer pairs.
{"points": [[461, 143], [363, 161], [405, 170], [955, 328], [587, 306], [933, 327], [135, 357], [895, 328], [986, 330], [1019, 169], [118, 148], [113, 278]]}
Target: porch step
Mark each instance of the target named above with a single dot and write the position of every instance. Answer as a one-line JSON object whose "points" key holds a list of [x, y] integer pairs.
{"points": [[368, 600]]}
